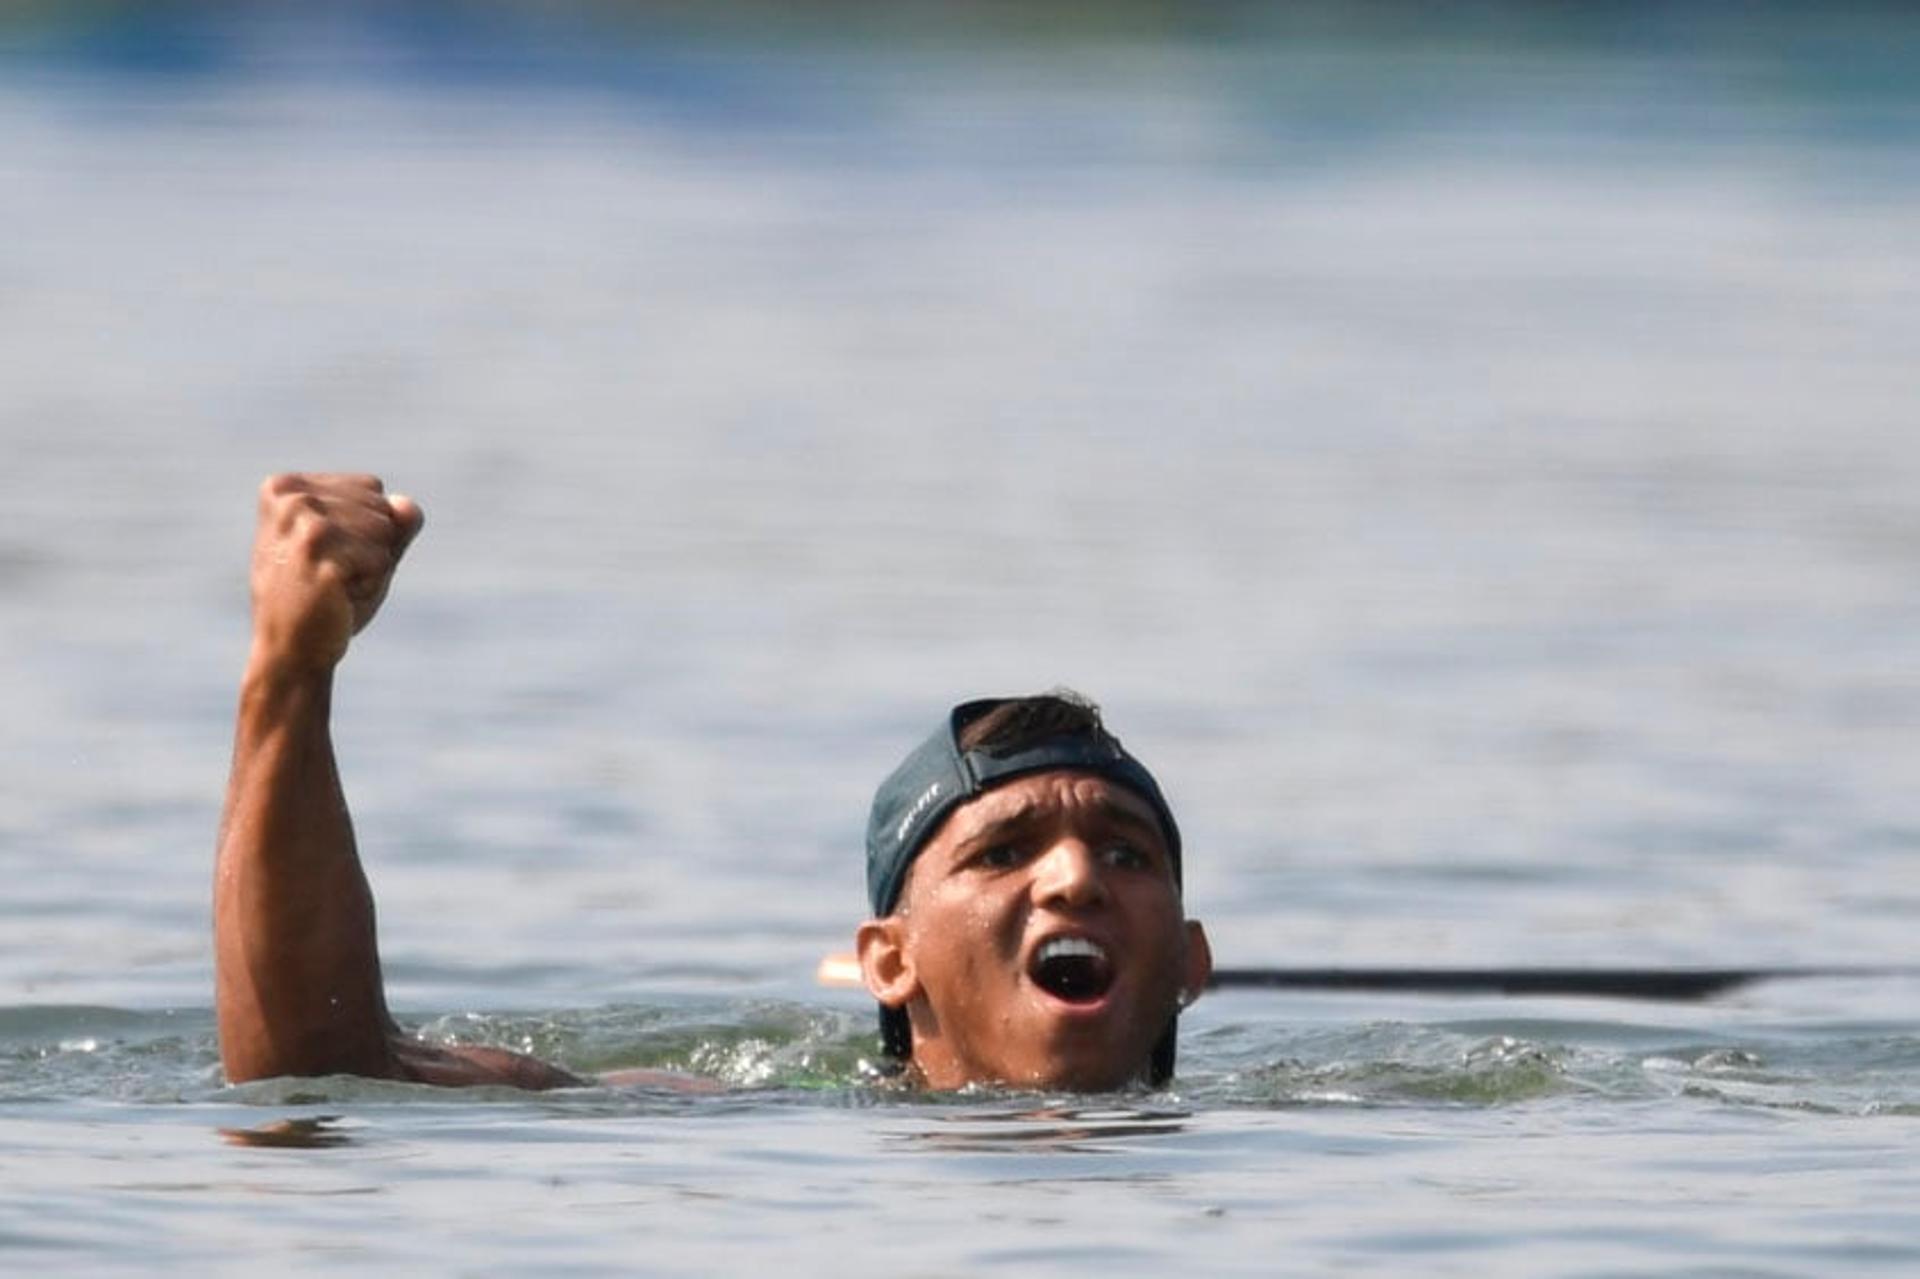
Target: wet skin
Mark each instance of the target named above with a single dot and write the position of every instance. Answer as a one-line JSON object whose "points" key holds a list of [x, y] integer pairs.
{"points": [[297, 971], [1054, 855], [298, 985]]}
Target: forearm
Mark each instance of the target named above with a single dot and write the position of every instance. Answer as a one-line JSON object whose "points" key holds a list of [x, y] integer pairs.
{"points": [[297, 972], [297, 968]]}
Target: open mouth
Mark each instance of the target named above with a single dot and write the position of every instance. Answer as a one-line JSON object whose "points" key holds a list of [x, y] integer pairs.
{"points": [[1072, 969]]}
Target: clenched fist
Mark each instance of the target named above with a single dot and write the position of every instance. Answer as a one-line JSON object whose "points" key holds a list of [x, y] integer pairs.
{"points": [[323, 557]]}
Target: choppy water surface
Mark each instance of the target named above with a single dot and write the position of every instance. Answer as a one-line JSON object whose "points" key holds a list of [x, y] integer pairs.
{"points": [[1474, 467]]}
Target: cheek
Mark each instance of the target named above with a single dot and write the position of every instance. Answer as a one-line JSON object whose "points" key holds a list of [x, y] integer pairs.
{"points": [[1156, 906], [1166, 925], [963, 933]]}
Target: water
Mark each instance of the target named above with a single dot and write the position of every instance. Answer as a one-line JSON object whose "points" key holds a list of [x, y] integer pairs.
{"points": [[1474, 466]]}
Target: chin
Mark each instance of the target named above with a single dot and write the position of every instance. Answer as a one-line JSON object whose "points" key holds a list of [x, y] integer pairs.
{"points": [[1095, 1084], [1100, 1073], [1100, 1078], [1056, 1072]]}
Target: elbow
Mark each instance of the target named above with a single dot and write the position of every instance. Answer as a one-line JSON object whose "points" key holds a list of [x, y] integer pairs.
{"points": [[251, 1049]]}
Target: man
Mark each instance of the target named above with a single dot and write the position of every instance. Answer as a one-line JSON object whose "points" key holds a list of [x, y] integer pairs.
{"points": [[1024, 870]]}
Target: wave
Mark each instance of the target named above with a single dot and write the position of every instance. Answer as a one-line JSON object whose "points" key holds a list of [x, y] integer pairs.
{"points": [[767, 1052]]}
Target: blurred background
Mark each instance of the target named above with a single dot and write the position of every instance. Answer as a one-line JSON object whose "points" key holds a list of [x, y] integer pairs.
{"points": [[1469, 450]]}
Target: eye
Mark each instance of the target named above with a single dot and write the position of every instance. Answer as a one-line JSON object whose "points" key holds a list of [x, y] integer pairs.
{"points": [[998, 857], [1122, 855]]}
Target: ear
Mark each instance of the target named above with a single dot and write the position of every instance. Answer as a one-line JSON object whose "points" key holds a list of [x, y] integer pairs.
{"points": [[1199, 964], [884, 963]]}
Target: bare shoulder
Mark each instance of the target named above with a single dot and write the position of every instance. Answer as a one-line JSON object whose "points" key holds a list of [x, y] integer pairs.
{"points": [[475, 1066]]}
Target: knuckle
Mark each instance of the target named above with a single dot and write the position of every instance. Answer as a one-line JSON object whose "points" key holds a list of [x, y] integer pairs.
{"points": [[301, 517], [274, 488], [284, 498], [307, 526]]}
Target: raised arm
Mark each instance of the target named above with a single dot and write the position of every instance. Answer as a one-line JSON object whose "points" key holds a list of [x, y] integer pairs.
{"points": [[297, 968]]}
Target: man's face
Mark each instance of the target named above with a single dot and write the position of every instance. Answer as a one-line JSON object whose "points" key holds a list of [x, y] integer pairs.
{"points": [[1039, 940]]}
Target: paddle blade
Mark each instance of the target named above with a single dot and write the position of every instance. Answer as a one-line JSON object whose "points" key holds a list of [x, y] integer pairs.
{"points": [[841, 971]]}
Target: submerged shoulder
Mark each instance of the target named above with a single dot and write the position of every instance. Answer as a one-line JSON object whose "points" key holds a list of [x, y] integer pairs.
{"points": [[665, 1080]]}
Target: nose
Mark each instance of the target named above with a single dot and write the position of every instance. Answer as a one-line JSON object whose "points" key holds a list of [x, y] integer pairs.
{"points": [[1068, 875]]}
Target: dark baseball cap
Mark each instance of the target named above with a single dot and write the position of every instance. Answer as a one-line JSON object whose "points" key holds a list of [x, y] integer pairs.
{"points": [[939, 776]]}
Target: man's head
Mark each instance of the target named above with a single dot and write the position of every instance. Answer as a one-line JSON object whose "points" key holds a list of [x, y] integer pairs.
{"points": [[1024, 873]]}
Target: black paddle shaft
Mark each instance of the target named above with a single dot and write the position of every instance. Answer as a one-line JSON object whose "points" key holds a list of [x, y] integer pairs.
{"points": [[1672, 984]]}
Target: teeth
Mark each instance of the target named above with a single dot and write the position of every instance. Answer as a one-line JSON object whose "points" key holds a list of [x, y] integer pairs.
{"points": [[1063, 947]]}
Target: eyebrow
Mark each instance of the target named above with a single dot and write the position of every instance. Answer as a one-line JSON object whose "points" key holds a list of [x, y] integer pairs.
{"points": [[1114, 811]]}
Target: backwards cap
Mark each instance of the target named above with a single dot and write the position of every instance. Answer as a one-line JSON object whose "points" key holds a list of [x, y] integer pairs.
{"points": [[939, 776]]}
